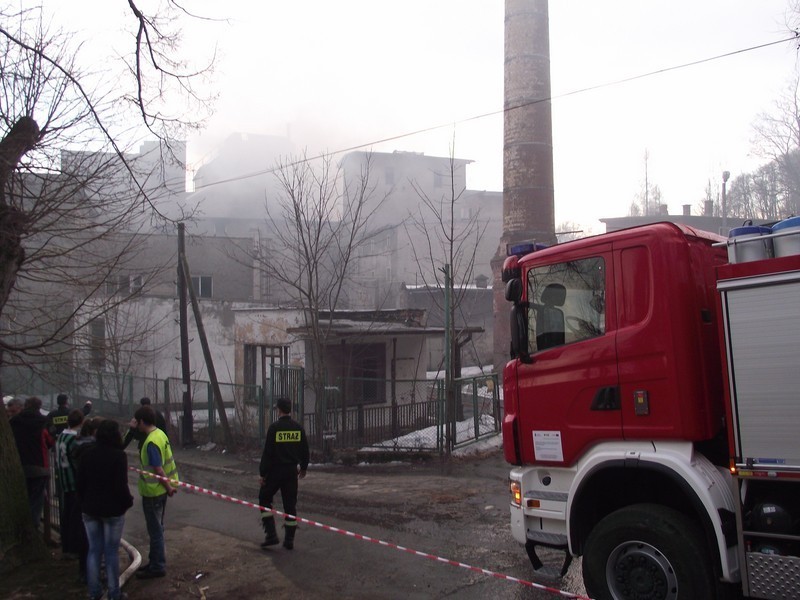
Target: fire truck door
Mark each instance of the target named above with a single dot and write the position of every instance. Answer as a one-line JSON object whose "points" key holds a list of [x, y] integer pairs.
{"points": [[569, 394]]}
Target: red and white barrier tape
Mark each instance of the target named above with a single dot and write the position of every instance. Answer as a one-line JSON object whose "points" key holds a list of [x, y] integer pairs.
{"points": [[366, 538]]}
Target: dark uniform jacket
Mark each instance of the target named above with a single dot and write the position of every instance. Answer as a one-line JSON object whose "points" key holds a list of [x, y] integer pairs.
{"points": [[286, 444], [57, 418]]}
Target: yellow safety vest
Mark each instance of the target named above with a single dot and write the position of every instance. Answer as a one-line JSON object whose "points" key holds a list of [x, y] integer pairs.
{"points": [[150, 486]]}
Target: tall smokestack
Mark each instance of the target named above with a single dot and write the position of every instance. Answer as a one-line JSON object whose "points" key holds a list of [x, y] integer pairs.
{"points": [[528, 196]]}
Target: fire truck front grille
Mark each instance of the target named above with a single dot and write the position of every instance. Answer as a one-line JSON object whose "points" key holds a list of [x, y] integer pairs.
{"points": [[772, 576]]}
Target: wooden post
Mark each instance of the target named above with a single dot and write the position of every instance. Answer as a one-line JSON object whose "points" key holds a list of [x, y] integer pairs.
{"points": [[184, 281], [212, 372]]}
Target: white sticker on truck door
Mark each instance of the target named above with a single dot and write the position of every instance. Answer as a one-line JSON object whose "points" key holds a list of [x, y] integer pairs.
{"points": [[547, 446]]}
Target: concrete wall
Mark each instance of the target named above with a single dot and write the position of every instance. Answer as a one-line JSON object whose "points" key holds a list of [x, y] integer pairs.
{"points": [[228, 327], [154, 259], [475, 310]]}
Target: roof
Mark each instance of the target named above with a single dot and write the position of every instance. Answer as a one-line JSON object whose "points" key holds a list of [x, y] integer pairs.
{"points": [[348, 328], [342, 328], [666, 227]]}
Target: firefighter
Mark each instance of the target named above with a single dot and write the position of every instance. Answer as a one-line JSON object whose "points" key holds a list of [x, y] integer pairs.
{"points": [[285, 458], [57, 418]]}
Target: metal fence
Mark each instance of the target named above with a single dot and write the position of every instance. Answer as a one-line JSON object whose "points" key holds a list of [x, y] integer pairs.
{"points": [[378, 414], [113, 394], [351, 422], [51, 515], [354, 413], [478, 409]]}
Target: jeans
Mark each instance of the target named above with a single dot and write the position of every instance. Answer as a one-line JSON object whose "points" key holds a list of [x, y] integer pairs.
{"points": [[154, 508], [104, 535]]}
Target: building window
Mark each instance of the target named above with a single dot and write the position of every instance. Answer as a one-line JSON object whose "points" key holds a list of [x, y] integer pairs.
{"points": [[388, 176], [438, 180], [136, 283], [97, 343], [468, 212], [118, 284], [202, 286]]}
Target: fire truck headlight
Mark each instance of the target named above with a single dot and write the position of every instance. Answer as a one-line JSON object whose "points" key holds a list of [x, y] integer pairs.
{"points": [[515, 488]]}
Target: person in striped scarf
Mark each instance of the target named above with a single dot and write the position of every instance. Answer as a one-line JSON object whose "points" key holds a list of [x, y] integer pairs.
{"points": [[66, 472]]}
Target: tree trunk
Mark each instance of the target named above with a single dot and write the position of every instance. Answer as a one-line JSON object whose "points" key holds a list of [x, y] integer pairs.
{"points": [[20, 543], [20, 139]]}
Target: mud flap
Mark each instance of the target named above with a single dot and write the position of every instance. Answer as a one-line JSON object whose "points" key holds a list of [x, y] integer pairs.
{"points": [[549, 571]]}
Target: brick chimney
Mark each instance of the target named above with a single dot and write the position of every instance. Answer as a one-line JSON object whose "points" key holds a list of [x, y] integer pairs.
{"points": [[528, 195]]}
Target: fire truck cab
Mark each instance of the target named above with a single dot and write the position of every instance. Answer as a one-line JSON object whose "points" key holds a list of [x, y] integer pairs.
{"points": [[652, 412]]}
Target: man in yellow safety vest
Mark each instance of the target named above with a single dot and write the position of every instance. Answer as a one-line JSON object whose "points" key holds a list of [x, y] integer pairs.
{"points": [[156, 457]]}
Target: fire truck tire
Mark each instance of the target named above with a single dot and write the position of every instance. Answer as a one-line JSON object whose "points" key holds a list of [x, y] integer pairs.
{"points": [[647, 552]]}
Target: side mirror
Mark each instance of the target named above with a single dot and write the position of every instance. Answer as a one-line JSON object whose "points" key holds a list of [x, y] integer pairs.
{"points": [[514, 290]]}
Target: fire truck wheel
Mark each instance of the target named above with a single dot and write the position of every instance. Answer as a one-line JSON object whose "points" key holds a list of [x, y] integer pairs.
{"points": [[647, 552]]}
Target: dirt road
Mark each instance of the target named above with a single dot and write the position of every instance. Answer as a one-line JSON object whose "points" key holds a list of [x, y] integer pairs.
{"points": [[454, 509]]}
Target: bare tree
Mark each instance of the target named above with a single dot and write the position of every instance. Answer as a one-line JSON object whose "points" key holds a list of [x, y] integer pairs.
{"points": [[649, 199], [772, 191], [161, 73], [757, 195], [316, 227], [62, 214], [123, 341], [569, 230], [444, 240], [777, 139], [647, 202]]}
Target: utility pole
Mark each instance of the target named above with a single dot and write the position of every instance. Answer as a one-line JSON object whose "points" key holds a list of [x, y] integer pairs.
{"points": [[212, 372], [187, 431]]}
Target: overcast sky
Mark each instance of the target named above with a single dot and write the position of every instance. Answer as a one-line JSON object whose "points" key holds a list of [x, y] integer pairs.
{"points": [[332, 75]]}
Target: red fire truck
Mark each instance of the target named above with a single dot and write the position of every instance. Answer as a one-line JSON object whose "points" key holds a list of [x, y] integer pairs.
{"points": [[652, 412]]}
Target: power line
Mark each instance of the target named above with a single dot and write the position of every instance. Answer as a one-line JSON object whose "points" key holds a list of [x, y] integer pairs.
{"points": [[616, 82]]}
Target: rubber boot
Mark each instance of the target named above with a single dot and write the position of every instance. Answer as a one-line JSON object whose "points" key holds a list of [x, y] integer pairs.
{"points": [[271, 537], [290, 530]]}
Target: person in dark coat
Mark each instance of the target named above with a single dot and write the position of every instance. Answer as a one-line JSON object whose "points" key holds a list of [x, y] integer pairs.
{"points": [[13, 407], [30, 436], [285, 458], [82, 445], [105, 498]]}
